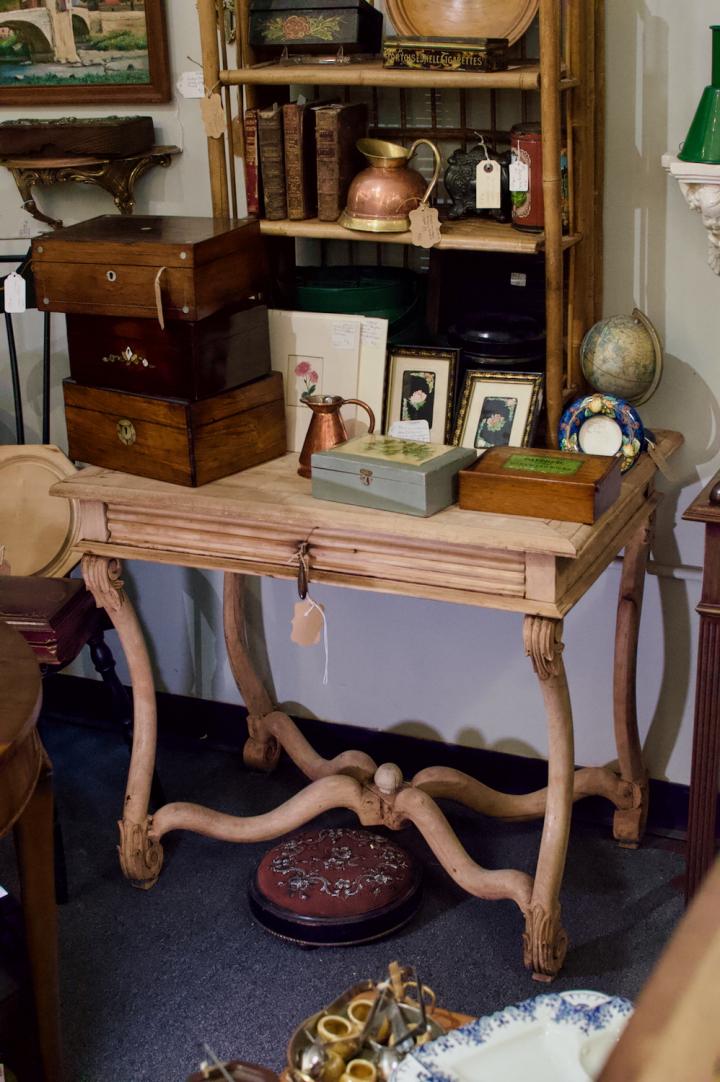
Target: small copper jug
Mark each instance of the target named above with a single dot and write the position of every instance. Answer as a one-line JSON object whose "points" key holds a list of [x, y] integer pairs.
{"points": [[327, 428], [381, 197]]}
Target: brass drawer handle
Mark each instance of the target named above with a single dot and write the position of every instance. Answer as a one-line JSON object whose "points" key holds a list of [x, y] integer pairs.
{"points": [[126, 432]]}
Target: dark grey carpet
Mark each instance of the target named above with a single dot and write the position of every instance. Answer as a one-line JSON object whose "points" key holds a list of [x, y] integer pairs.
{"points": [[148, 976]]}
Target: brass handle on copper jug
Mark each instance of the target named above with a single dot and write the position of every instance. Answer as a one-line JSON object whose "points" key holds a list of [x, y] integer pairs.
{"points": [[436, 170], [358, 402]]}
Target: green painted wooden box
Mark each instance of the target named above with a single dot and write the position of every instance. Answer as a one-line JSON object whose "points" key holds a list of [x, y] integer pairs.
{"points": [[390, 474]]}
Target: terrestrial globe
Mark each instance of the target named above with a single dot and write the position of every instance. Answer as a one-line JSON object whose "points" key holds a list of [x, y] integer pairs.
{"points": [[623, 356]]}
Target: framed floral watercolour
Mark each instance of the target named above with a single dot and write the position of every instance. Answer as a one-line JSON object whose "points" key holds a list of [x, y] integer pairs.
{"points": [[420, 386], [324, 353], [498, 409], [84, 52]]}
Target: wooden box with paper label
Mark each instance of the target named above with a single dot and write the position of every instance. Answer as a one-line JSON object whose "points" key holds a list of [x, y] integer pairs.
{"points": [[538, 483], [157, 267]]}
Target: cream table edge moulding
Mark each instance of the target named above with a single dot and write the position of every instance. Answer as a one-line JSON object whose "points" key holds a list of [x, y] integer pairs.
{"points": [[257, 523]]}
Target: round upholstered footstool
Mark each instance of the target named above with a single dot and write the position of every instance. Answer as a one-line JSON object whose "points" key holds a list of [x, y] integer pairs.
{"points": [[334, 887]]}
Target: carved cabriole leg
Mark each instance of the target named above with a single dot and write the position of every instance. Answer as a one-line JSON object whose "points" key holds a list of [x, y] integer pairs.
{"points": [[544, 940], [140, 857], [261, 751], [629, 825], [270, 729]]}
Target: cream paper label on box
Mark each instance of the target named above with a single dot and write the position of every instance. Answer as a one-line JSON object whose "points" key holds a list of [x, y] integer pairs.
{"points": [[327, 353]]}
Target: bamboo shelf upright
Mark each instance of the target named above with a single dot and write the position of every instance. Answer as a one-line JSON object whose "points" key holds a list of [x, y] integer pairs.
{"points": [[569, 78]]}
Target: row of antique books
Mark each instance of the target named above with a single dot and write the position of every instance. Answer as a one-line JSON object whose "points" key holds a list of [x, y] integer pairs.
{"points": [[301, 157]]}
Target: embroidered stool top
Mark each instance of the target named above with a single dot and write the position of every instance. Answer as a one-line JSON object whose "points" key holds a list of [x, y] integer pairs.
{"points": [[335, 886]]}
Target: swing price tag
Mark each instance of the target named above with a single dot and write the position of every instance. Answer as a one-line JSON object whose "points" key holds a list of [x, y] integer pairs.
{"points": [[519, 176], [307, 623], [14, 293], [425, 226], [191, 84], [487, 186], [213, 116]]}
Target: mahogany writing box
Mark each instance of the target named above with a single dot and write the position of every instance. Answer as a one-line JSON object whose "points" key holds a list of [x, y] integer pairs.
{"points": [[122, 266], [186, 360], [169, 439], [539, 483]]}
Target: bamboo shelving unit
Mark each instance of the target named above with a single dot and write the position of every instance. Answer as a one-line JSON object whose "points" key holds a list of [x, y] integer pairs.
{"points": [[570, 83]]}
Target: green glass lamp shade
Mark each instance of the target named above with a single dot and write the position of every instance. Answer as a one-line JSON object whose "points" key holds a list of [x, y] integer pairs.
{"points": [[703, 139]]}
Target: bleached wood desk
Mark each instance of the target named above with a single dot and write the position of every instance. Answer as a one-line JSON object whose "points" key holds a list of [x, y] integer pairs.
{"points": [[256, 523]]}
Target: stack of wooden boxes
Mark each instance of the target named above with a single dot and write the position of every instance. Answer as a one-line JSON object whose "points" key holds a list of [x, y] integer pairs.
{"points": [[168, 342]]}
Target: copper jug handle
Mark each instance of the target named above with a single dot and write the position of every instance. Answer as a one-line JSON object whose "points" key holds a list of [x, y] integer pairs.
{"points": [[357, 402], [436, 171]]}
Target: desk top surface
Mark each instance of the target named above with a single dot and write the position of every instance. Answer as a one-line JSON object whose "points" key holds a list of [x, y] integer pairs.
{"points": [[274, 495]]}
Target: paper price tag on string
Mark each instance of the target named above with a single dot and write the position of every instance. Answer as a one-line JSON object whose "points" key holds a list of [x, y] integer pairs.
{"points": [[14, 290], [425, 226], [213, 116], [487, 186], [307, 622], [519, 176], [191, 84]]}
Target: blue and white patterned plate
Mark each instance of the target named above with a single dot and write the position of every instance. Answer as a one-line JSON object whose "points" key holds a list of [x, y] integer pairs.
{"points": [[565, 1037]]}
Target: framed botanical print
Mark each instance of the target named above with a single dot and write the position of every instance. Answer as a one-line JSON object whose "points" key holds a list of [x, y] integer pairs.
{"points": [[420, 386], [84, 52], [498, 409]]}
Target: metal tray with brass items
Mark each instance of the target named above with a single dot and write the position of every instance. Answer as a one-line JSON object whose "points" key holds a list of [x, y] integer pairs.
{"points": [[366, 1032]]}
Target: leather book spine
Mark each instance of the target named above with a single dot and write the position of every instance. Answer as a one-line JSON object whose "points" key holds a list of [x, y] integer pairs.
{"points": [[300, 173], [272, 162], [338, 127], [252, 164]]}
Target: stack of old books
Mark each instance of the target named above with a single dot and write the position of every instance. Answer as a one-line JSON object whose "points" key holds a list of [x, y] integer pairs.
{"points": [[301, 157]]}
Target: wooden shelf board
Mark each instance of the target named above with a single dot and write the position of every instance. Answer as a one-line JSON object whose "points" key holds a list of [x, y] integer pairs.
{"points": [[372, 73], [471, 234]]}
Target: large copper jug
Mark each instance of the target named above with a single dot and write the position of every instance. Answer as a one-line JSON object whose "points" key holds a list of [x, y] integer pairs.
{"points": [[327, 428], [381, 197]]}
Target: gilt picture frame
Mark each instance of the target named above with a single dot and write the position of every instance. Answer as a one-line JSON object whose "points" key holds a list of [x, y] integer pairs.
{"points": [[83, 52], [420, 386], [498, 409]]}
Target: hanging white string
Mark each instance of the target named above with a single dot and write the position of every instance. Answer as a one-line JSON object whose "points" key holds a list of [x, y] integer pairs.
{"points": [[314, 605]]}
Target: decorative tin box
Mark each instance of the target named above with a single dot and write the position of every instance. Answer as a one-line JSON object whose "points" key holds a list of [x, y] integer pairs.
{"points": [[538, 483], [186, 360], [189, 443], [446, 54], [390, 474], [317, 26], [135, 266]]}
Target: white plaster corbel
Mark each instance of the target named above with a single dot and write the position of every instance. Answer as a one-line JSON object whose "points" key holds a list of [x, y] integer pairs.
{"points": [[700, 184]]}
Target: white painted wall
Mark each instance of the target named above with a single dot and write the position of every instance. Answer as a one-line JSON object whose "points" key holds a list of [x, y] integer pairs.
{"points": [[443, 670]]}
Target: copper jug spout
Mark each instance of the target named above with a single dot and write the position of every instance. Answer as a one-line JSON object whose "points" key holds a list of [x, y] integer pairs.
{"points": [[327, 428]]}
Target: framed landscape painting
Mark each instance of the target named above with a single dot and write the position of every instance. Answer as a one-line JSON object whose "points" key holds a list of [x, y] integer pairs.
{"points": [[83, 52]]}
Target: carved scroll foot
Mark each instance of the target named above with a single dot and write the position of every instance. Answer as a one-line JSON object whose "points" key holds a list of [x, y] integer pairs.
{"points": [[629, 823], [544, 942], [141, 857]]}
